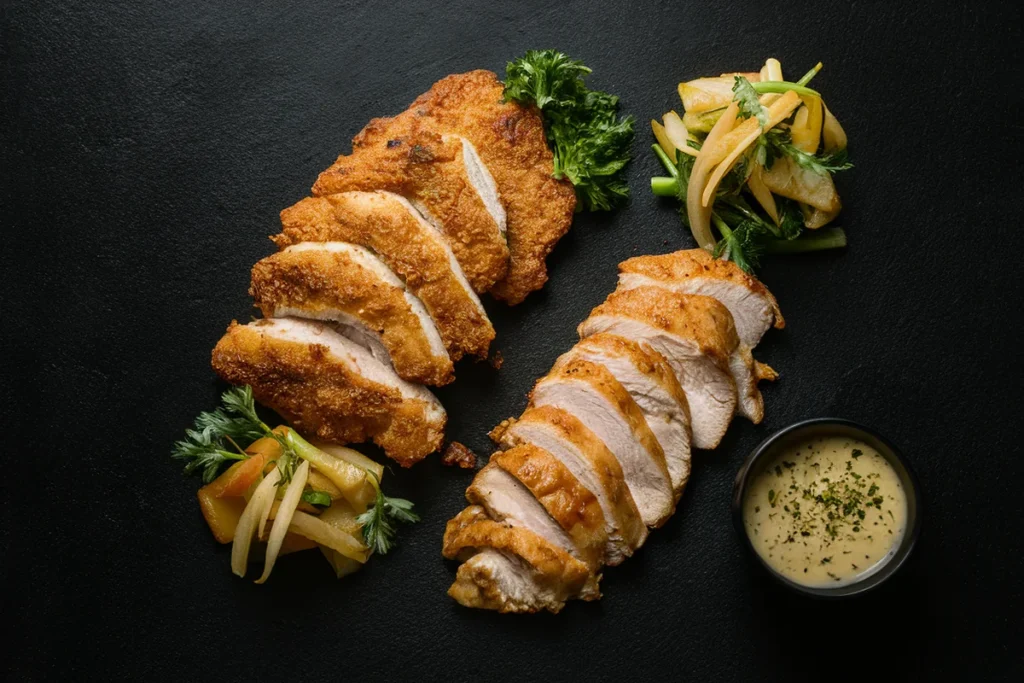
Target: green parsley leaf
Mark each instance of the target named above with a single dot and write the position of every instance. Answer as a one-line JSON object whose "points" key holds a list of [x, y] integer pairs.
{"points": [[590, 142], [748, 101]]}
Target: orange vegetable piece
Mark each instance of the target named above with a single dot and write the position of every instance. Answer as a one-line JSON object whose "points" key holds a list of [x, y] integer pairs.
{"points": [[221, 514]]}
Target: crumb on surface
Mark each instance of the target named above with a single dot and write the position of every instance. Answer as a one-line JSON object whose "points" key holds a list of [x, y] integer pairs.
{"points": [[458, 454]]}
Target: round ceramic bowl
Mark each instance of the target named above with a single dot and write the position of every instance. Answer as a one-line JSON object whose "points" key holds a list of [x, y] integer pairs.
{"points": [[827, 426]]}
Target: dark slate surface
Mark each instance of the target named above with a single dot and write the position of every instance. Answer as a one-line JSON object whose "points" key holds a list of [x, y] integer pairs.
{"points": [[146, 152]]}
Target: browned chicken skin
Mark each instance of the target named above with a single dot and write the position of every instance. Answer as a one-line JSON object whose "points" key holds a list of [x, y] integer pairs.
{"points": [[430, 170], [413, 249], [552, 574], [656, 371]]}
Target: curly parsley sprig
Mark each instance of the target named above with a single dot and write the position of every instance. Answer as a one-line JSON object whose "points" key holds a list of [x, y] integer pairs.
{"points": [[219, 437], [591, 143]]}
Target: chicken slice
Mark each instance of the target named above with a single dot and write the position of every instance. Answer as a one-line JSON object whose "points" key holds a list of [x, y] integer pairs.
{"points": [[346, 284], [510, 139], [592, 394], [655, 389], [528, 486], [411, 247], [441, 177], [694, 334], [562, 435], [534, 575], [327, 385], [695, 271]]}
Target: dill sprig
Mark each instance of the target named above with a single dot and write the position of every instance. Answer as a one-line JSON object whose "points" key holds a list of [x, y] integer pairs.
{"points": [[380, 521], [220, 436]]}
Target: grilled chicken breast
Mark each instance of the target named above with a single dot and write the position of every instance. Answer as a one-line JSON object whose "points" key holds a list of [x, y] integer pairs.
{"points": [[604, 446], [587, 458], [695, 271], [694, 334], [532, 574], [652, 385], [511, 142], [443, 178], [327, 385], [348, 285], [530, 486], [411, 247], [593, 395]]}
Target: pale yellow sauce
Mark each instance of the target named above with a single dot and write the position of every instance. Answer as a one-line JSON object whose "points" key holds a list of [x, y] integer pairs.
{"points": [[826, 511]]}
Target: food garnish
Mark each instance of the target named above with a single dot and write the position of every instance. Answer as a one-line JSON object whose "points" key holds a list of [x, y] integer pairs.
{"points": [[753, 157], [311, 495], [590, 141]]}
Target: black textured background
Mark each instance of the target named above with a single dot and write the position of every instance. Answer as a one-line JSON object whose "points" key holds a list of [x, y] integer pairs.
{"points": [[146, 150]]}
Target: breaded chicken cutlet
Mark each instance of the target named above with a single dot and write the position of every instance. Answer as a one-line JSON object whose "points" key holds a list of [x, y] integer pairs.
{"points": [[510, 140]]}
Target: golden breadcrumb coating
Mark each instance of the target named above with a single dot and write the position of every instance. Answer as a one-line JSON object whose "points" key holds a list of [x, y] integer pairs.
{"points": [[510, 140], [382, 222], [315, 283], [322, 396], [428, 169]]}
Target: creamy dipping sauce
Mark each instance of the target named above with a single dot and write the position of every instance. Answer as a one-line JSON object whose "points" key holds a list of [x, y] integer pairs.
{"points": [[826, 511]]}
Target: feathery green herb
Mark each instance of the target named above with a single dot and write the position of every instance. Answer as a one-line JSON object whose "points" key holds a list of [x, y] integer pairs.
{"points": [[748, 101], [220, 437], [591, 143], [380, 521]]}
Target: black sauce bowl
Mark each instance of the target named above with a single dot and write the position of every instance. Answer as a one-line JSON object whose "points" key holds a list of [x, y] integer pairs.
{"points": [[828, 426]]}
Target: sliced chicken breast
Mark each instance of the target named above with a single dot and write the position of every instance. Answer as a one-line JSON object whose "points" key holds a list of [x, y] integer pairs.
{"points": [[327, 385], [695, 271], [506, 500], [441, 177], [537, 575], [653, 386], [694, 334], [411, 247], [592, 394], [585, 456], [510, 140], [573, 508], [346, 284]]}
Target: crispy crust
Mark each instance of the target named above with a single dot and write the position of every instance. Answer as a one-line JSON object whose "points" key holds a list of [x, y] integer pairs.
{"points": [[552, 567], [699, 263], [380, 222], [316, 281], [510, 139], [400, 156], [321, 396], [571, 505], [701, 319], [606, 466]]}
